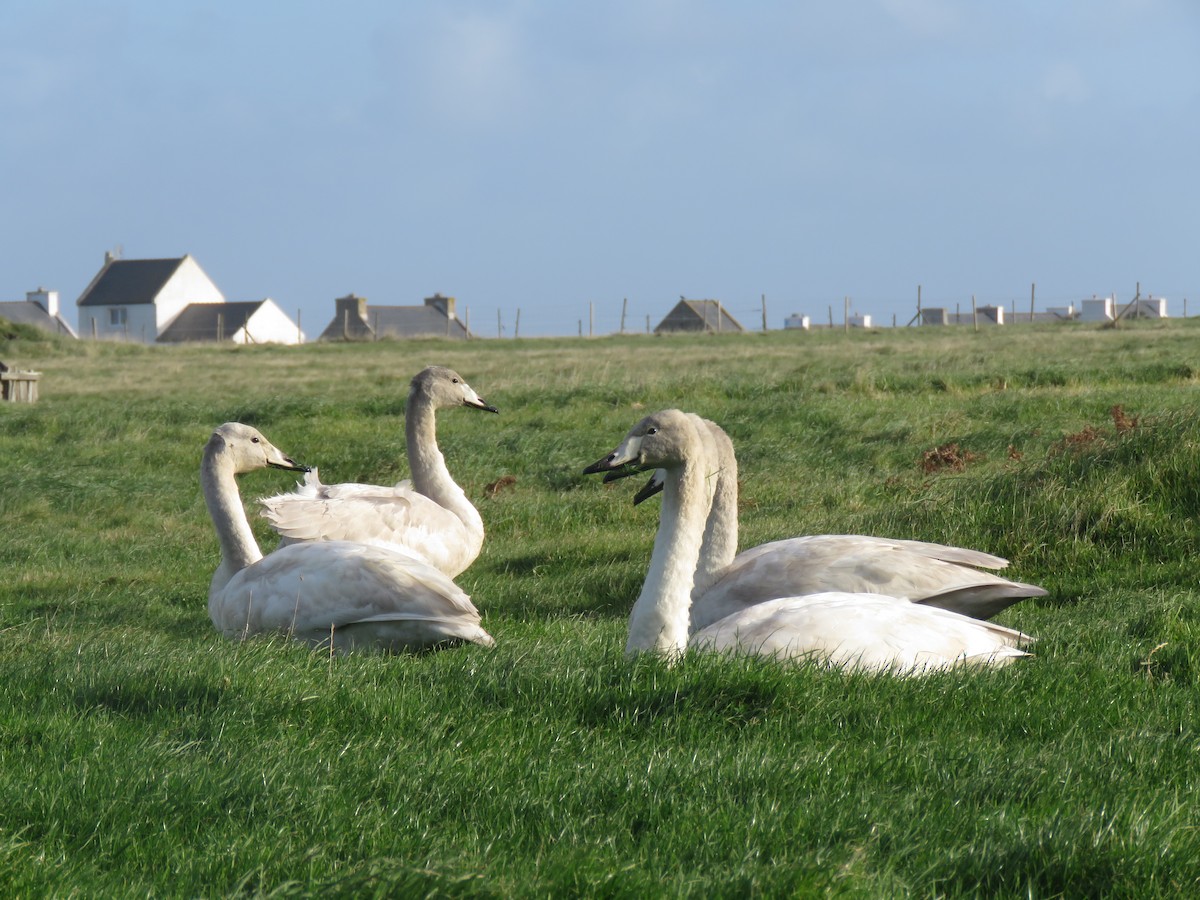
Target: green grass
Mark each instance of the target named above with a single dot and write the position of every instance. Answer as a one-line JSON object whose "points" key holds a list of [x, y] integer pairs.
{"points": [[141, 754]]}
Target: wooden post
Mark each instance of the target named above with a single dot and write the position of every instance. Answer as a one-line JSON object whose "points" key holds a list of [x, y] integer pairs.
{"points": [[93, 328], [624, 309], [764, 310], [498, 328], [719, 317], [220, 327], [517, 328], [375, 326], [345, 324], [299, 327], [846, 314], [974, 315], [830, 316], [1032, 291], [647, 323]]}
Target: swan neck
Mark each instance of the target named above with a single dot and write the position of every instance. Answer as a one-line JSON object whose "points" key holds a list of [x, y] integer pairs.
{"points": [[427, 466], [659, 621], [721, 531], [219, 484]]}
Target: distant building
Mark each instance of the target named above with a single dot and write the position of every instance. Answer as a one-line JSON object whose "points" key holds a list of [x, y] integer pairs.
{"points": [[1098, 309], [356, 320], [173, 300], [797, 320], [245, 322], [40, 309], [698, 315]]}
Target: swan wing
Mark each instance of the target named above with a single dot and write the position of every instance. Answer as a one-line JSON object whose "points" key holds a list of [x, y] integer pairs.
{"points": [[863, 631], [313, 590], [925, 573], [394, 516]]}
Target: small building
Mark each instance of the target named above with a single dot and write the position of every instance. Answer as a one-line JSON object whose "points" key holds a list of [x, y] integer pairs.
{"points": [[1064, 313], [1097, 309], [247, 322], [859, 320], [356, 320], [40, 309], [698, 315], [1150, 308], [934, 315], [989, 315], [796, 320]]}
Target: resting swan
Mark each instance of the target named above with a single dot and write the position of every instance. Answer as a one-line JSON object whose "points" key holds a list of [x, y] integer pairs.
{"points": [[854, 630], [429, 517], [331, 592], [925, 573]]}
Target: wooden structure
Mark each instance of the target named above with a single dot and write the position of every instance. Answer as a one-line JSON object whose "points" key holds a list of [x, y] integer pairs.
{"points": [[18, 387]]}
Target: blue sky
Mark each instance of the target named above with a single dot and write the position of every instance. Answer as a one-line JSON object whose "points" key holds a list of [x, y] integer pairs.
{"points": [[547, 156]]}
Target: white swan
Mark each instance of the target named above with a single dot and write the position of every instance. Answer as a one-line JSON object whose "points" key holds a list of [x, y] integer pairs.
{"points": [[926, 573], [854, 630], [326, 593], [429, 516]]}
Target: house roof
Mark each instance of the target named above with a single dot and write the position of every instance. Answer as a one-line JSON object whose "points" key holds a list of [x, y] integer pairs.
{"points": [[125, 282], [209, 321], [396, 321], [24, 312], [699, 315]]}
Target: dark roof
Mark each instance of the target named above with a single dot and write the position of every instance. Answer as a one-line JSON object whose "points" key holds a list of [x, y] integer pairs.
{"points": [[25, 312], [698, 315], [124, 282], [396, 321], [209, 321]]}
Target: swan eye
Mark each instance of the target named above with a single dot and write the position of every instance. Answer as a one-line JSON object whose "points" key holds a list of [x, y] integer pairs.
{"points": [[651, 430], [254, 440], [454, 380]]}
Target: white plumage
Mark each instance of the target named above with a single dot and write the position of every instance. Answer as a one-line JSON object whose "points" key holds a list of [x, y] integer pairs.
{"points": [[429, 517], [856, 630], [337, 593]]}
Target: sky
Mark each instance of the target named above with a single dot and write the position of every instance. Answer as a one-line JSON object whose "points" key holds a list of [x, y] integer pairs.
{"points": [[559, 161]]}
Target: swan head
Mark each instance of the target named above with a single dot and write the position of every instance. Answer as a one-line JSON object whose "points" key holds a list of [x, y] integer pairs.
{"points": [[247, 449], [662, 440], [443, 387]]}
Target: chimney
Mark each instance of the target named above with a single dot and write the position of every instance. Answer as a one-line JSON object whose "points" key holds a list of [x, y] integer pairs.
{"points": [[352, 305], [47, 300], [443, 304]]}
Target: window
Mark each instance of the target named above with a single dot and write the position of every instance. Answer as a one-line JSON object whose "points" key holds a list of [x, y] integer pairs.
{"points": [[116, 315]]}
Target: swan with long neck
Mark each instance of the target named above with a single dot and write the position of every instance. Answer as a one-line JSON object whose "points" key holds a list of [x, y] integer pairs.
{"points": [[327, 593], [854, 630], [429, 516], [926, 573]]}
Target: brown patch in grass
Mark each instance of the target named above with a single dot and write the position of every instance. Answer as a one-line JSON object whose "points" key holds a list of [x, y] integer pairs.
{"points": [[1122, 421], [946, 457], [500, 484]]}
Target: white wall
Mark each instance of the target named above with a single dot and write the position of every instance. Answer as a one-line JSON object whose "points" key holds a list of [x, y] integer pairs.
{"points": [[140, 324], [269, 325], [189, 284]]}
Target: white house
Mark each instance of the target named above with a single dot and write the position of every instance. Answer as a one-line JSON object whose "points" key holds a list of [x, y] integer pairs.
{"points": [[173, 300]]}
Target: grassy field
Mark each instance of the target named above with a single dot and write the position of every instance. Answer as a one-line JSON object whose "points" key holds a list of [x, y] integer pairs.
{"points": [[142, 754]]}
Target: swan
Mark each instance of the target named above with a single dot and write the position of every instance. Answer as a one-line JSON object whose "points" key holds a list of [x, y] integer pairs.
{"points": [[329, 593], [930, 574], [866, 631], [429, 516]]}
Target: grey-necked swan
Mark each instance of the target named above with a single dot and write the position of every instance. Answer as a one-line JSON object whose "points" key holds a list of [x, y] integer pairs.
{"points": [[854, 630], [329, 593], [926, 573], [429, 516]]}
